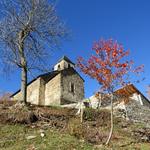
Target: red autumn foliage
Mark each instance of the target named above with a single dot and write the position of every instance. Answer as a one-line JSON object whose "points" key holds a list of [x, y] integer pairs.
{"points": [[108, 66]]}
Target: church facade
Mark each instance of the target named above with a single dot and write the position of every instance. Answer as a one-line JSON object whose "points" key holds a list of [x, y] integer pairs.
{"points": [[61, 86]]}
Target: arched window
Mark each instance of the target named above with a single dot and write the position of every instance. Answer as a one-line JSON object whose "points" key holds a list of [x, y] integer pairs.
{"points": [[58, 67], [72, 88]]}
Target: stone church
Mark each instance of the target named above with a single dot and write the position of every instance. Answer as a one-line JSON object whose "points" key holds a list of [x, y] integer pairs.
{"points": [[61, 86]]}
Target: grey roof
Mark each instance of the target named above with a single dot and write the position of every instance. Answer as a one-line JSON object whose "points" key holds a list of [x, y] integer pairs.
{"points": [[66, 59], [49, 74]]}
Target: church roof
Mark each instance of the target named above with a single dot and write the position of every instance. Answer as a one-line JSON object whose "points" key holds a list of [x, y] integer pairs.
{"points": [[49, 74], [66, 59]]}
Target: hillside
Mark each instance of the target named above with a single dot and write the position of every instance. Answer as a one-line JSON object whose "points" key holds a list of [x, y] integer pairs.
{"points": [[48, 128]]}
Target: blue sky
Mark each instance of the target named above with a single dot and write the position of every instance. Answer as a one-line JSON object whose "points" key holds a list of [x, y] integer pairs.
{"points": [[127, 21]]}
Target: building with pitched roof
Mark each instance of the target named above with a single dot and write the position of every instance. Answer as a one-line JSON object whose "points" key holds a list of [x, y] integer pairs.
{"points": [[62, 86], [124, 95]]}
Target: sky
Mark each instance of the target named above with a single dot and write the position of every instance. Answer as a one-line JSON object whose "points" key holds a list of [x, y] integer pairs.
{"points": [[127, 21]]}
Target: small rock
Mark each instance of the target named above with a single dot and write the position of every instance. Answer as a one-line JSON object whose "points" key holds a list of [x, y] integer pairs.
{"points": [[30, 137], [144, 138], [124, 126], [42, 134], [82, 140]]}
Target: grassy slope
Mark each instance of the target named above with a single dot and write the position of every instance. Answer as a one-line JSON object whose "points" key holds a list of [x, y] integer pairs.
{"points": [[13, 137]]}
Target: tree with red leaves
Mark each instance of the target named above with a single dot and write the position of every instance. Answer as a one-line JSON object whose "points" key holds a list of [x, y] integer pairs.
{"points": [[110, 68]]}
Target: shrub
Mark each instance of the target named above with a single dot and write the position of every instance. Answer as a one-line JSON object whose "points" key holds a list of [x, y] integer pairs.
{"points": [[75, 128], [86, 131], [102, 117], [94, 136], [90, 114], [17, 115]]}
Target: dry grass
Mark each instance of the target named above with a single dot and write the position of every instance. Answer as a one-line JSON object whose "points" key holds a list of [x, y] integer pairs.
{"points": [[93, 130]]}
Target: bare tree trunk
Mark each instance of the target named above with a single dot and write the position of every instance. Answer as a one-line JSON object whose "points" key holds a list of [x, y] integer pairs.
{"points": [[99, 101], [112, 124], [23, 67], [24, 85], [81, 113], [29, 27]]}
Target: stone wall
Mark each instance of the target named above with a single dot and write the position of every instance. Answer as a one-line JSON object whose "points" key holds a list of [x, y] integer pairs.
{"points": [[42, 92], [32, 92], [68, 96], [138, 113], [53, 91], [17, 97], [137, 97]]}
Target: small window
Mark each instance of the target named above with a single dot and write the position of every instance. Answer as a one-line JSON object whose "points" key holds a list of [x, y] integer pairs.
{"points": [[72, 88], [69, 66], [58, 66]]}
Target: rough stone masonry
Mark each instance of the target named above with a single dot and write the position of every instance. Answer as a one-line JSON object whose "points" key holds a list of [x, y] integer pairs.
{"points": [[62, 86]]}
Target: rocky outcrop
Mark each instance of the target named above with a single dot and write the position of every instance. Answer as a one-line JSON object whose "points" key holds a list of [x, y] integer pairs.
{"points": [[136, 112]]}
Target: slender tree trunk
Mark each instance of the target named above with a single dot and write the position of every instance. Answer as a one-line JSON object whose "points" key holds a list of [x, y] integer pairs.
{"points": [[23, 67], [24, 84], [99, 102], [81, 113], [112, 124]]}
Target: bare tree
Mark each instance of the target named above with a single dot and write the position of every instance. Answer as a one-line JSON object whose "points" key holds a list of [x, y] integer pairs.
{"points": [[29, 30]]}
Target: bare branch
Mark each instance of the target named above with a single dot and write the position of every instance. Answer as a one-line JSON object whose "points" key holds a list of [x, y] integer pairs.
{"points": [[29, 31]]}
